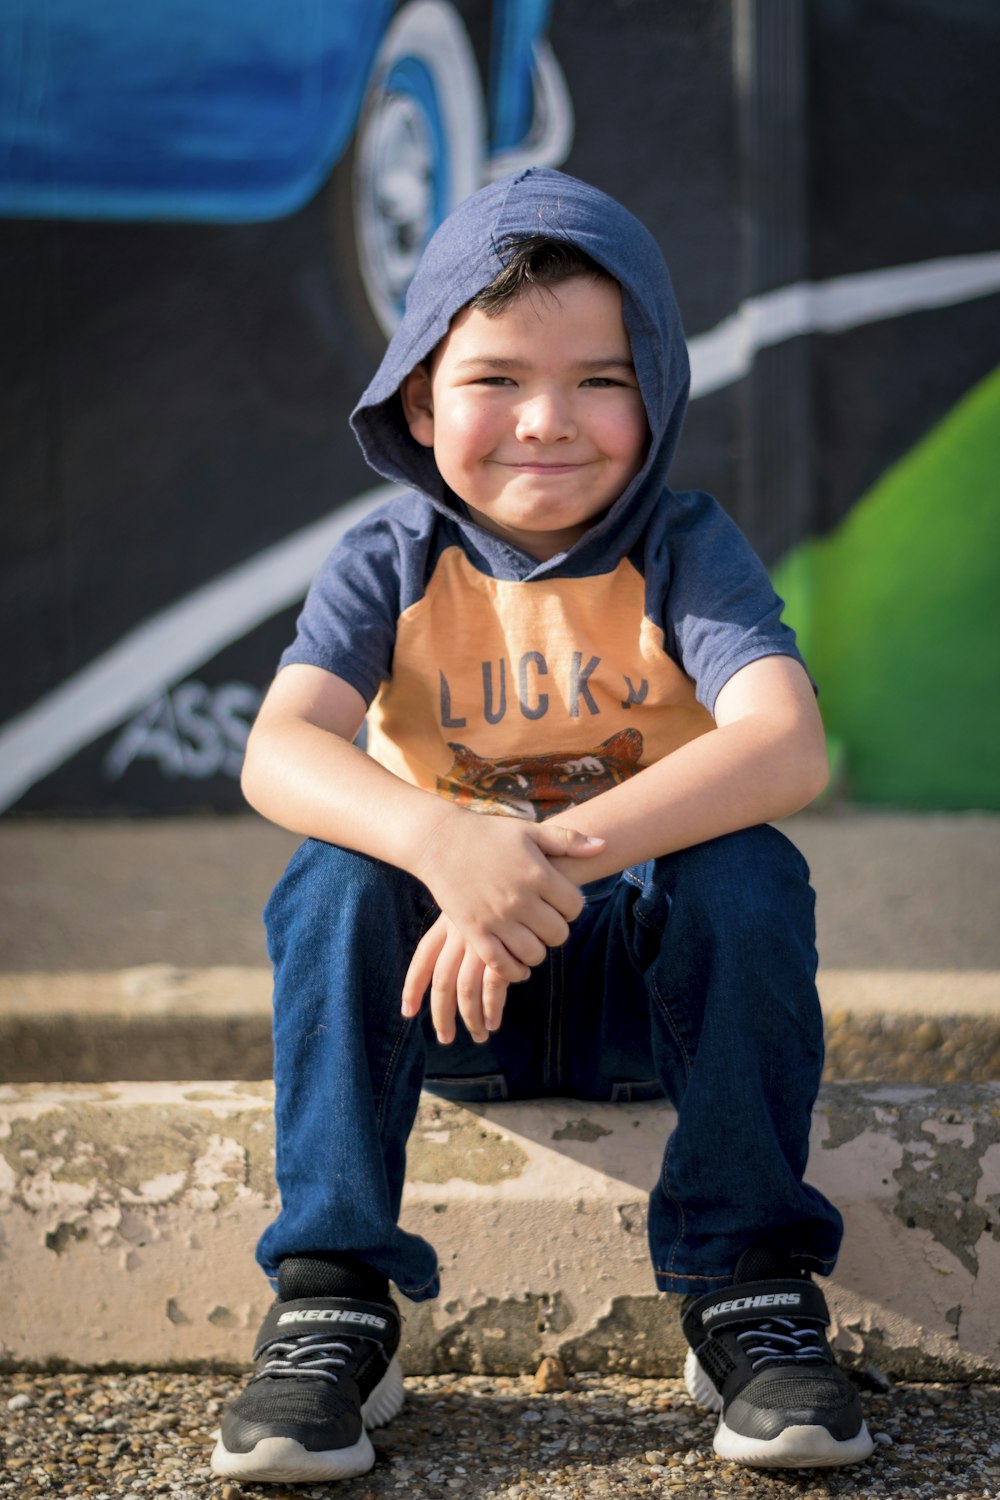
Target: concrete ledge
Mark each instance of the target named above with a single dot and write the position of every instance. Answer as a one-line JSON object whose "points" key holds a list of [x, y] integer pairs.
{"points": [[161, 1022], [129, 1214], [154, 1022]]}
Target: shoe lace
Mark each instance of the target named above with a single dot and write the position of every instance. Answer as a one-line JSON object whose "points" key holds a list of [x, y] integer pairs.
{"points": [[317, 1357], [780, 1341]]}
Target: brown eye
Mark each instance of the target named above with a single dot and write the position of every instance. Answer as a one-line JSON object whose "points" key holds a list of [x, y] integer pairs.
{"points": [[505, 785]]}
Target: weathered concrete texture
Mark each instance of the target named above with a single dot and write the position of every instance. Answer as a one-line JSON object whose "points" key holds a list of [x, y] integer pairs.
{"points": [[129, 1215]]}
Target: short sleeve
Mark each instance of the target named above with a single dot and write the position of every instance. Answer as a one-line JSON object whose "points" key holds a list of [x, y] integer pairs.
{"points": [[348, 621], [721, 611]]}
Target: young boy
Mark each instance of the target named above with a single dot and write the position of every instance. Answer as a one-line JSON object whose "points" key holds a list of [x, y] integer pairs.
{"points": [[541, 631]]}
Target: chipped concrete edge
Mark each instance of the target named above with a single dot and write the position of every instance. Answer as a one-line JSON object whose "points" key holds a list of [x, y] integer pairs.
{"points": [[136, 1208]]}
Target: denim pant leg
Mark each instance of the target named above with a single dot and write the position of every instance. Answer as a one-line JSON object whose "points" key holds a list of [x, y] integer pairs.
{"points": [[347, 1067], [716, 945]]}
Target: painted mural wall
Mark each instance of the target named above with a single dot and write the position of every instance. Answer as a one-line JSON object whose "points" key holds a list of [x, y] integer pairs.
{"points": [[204, 249]]}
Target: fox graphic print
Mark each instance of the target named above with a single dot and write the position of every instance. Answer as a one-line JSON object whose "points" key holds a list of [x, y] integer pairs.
{"points": [[536, 786]]}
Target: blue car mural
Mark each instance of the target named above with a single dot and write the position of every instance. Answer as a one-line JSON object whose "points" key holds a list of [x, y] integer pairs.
{"points": [[213, 113]]}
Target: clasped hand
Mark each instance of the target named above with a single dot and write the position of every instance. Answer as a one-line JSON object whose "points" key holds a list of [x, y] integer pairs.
{"points": [[503, 905]]}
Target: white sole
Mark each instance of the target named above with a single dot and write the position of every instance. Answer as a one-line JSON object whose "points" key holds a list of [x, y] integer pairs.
{"points": [[795, 1448], [699, 1386], [278, 1460]]}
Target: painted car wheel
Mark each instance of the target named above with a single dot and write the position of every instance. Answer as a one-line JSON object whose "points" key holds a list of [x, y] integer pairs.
{"points": [[419, 148]]}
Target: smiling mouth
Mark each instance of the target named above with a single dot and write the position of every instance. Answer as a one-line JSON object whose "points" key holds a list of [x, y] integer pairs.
{"points": [[537, 468]]}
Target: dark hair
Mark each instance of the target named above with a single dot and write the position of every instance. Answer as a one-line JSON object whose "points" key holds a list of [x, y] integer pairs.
{"points": [[536, 260]]}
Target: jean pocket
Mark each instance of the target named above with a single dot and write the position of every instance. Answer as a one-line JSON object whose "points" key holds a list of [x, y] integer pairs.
{"points": [[639, 1092], [484, 1088]]}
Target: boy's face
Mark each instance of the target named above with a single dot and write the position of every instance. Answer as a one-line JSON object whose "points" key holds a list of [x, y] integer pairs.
{"points": [[534, 415]]}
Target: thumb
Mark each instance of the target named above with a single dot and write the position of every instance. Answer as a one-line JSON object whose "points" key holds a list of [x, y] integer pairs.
{"points": [[555, 841]]}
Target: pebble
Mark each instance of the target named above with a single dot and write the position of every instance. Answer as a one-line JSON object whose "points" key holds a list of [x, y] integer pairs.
{"points": [[550, 1375], [144, 1437]]}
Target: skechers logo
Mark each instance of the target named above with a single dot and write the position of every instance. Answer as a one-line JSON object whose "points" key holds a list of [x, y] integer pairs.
{"points": [[739, 1304], [333, 1315]]}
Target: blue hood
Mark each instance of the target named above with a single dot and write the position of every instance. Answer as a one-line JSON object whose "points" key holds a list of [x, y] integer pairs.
{"points": [[463, 257]]}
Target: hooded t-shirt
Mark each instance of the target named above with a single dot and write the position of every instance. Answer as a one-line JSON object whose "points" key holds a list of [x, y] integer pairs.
{"points": [[513, 685]]}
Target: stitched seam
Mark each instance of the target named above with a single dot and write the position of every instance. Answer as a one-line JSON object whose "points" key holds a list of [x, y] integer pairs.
{"points": [[658, 994], [423, 1286], [689, 1276], [817, 1260], [667, 1016], [665, 1010], [679, 1207], [692, 1276], [548, 1030], [400, 1034], [559, 1030], [389, 1068]]}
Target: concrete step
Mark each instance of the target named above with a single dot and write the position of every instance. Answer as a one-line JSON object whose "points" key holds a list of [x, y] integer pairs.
{"points": [[130, 1211], [133, 948], [158, 1022]]}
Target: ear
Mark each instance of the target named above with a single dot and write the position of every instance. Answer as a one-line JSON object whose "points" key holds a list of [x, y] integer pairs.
{"points": [[418, 405], [625, 746]]}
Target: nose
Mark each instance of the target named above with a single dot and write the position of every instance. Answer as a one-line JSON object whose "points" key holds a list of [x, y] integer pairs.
{"points": [[545, 417]]}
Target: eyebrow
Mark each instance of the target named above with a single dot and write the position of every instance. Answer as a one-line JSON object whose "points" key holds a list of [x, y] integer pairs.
{"points": [[495, 362]]}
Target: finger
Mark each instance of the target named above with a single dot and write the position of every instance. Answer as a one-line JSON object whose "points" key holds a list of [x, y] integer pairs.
{"points": [[470, 995], [563, 897], [556, 841], [549, 927], [525, 944], [494, 998], [495, 955], [421, 969], [444, 998]]}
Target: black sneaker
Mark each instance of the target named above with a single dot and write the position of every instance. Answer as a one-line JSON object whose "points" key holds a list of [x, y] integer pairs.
{"points": [[326, 1371], [760, 1358]]}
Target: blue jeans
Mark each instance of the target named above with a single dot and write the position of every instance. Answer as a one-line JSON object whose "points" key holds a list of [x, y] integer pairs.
{"points": [[691, 976]]}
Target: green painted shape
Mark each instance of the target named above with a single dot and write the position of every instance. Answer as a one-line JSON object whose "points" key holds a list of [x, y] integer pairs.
{"points": [[898, 613]]}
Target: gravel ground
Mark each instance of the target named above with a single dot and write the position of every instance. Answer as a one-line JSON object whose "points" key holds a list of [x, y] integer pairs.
{"points": [[104, 1436]]}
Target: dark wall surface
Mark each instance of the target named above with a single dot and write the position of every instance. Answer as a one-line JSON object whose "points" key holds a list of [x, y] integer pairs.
{"points": [[175, 393]]}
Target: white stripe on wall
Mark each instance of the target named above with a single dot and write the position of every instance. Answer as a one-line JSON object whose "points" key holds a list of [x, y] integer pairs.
{"points": [[726, 352], [165, 647]]}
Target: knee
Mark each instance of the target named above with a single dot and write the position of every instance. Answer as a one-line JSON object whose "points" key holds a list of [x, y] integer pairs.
{"points": [[338, 887], [752, 886]]}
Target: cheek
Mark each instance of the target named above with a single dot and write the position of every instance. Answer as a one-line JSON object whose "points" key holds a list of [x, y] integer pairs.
{"points": [[627, 436], [464, 433]]}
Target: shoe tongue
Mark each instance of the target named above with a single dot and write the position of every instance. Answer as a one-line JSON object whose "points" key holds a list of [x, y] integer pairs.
{"points": [[762, 1263], [323, 1276]]}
